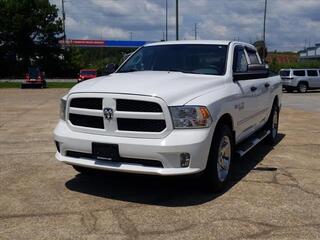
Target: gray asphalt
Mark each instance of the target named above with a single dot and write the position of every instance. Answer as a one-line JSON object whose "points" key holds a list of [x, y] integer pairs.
{"points": [[304, 101], [274, 192]]}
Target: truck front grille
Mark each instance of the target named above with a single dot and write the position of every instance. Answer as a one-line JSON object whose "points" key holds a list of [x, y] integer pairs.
{"points": [[132, 117], [86, 121], [137, 106], [88, 103], [141, 125]]}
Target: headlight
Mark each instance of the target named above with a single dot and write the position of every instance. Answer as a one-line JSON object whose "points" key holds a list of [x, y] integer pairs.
{"points": [[190, 117], [63, 104]]}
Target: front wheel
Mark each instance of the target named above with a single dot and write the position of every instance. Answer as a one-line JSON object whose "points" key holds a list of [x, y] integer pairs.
{"points": [[217, 172], [289, 90]]}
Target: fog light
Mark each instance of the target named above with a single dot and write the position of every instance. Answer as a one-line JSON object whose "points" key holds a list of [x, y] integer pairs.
{"points": [[184, 159], [57, 146]]}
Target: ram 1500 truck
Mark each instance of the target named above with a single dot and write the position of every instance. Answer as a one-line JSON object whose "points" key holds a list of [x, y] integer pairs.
{"points": [[172, 108]]}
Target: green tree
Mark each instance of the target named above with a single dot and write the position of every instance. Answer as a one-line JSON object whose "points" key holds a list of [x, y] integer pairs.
{"points": [[30, 30], [262, 49]]}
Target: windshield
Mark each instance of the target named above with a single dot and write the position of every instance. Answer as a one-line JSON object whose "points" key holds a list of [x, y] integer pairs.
{"points": [[284, 73], [187, 58], [87, 72]]}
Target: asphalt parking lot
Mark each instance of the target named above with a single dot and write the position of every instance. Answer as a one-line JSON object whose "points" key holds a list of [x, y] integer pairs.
{"points": [[274, 194]]}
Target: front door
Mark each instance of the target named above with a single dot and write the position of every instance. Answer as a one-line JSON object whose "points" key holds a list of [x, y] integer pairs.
{"points": [[249, 105]]}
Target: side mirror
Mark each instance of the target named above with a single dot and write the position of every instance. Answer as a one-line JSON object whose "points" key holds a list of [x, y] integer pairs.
{"points": [[255, 71], [110, 68]]}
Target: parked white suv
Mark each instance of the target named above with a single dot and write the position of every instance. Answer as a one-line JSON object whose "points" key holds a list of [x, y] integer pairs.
{"points": [[173, 108], [300, 79]]}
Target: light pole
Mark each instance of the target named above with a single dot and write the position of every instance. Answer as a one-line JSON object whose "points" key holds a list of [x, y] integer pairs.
{"points": [[264, 29], [177, 20], [63, 23], [195, 31], [166, 20]]}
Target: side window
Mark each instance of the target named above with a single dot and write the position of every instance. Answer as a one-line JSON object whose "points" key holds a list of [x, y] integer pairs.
{"points": [[240, 63], [299, 73], [312, 73], [253, 57]]}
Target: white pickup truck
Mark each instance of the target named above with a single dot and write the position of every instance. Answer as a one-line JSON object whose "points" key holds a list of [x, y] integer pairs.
{"points": [[172, 108]]}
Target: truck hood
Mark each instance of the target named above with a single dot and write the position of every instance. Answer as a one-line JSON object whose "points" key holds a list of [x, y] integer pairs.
{"points": [[175, 88]]}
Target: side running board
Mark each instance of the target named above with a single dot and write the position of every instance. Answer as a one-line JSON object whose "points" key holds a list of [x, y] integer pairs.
{"points": [[247, 145]]}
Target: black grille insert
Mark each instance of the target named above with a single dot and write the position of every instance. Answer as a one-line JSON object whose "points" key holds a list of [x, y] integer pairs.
{"points": [[147, 163], [141, 125], [86, 121], [89, 103], [137, 106]]}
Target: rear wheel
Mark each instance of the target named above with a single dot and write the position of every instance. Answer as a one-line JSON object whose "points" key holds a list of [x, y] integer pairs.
{"points": [[302, 87], [272, 125], [218, 168]]}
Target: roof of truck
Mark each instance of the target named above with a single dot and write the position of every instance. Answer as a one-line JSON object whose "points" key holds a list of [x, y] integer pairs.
{"points": [[216, 42]]}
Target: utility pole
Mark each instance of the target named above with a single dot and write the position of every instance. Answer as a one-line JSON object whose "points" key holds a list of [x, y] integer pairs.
{"points": [[264, 29], [166, 20], [195, 31], [63, 23], [177, 20]]}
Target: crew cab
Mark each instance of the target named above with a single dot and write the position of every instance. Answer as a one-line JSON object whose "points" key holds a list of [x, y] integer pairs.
{"points": [[300, 79], [172, 108]]}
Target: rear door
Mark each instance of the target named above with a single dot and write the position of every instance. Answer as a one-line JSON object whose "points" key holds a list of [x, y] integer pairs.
{"points": [[313, 78]]}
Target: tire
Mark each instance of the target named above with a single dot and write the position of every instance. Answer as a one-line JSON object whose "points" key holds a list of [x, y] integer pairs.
{"points": [[272, 125], [83, 170], [302, 87], [217, 173], [289, 90]]}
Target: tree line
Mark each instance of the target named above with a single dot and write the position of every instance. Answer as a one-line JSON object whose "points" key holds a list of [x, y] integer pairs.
{"points": [[30, 31]]}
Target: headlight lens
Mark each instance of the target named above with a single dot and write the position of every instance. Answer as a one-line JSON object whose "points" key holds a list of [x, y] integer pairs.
{"points": [[63, 104], [190, 117]]}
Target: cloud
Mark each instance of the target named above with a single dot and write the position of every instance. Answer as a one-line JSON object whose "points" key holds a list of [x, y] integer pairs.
{"points": [[289, 22]]}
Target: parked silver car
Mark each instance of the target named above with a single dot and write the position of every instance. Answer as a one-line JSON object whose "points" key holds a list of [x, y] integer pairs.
{"points": [[300, 79]]}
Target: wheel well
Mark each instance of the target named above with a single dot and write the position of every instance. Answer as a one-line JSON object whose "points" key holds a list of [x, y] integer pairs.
{"points": [[304, 82], [227, 120]]}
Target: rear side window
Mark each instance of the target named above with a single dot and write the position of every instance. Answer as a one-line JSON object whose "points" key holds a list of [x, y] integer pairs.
{"points": [[299, 73], [312, 73], [253, 57], [284, 73]]}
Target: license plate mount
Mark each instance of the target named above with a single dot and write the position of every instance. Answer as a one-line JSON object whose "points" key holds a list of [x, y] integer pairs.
{"points": [[104, 151]]}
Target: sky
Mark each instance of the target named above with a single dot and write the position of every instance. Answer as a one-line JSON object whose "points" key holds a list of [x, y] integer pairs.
{"points": [[291, 24]]}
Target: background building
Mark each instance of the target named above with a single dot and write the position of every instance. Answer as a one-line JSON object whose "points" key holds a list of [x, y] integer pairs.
{"points": [[310, 53]]}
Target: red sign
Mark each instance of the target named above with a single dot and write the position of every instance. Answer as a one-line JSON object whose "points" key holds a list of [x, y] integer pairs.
{"points": [[84, 42]]}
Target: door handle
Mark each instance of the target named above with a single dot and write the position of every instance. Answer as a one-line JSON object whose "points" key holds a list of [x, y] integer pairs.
{"points": [[253, 88], [267, 85]]}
